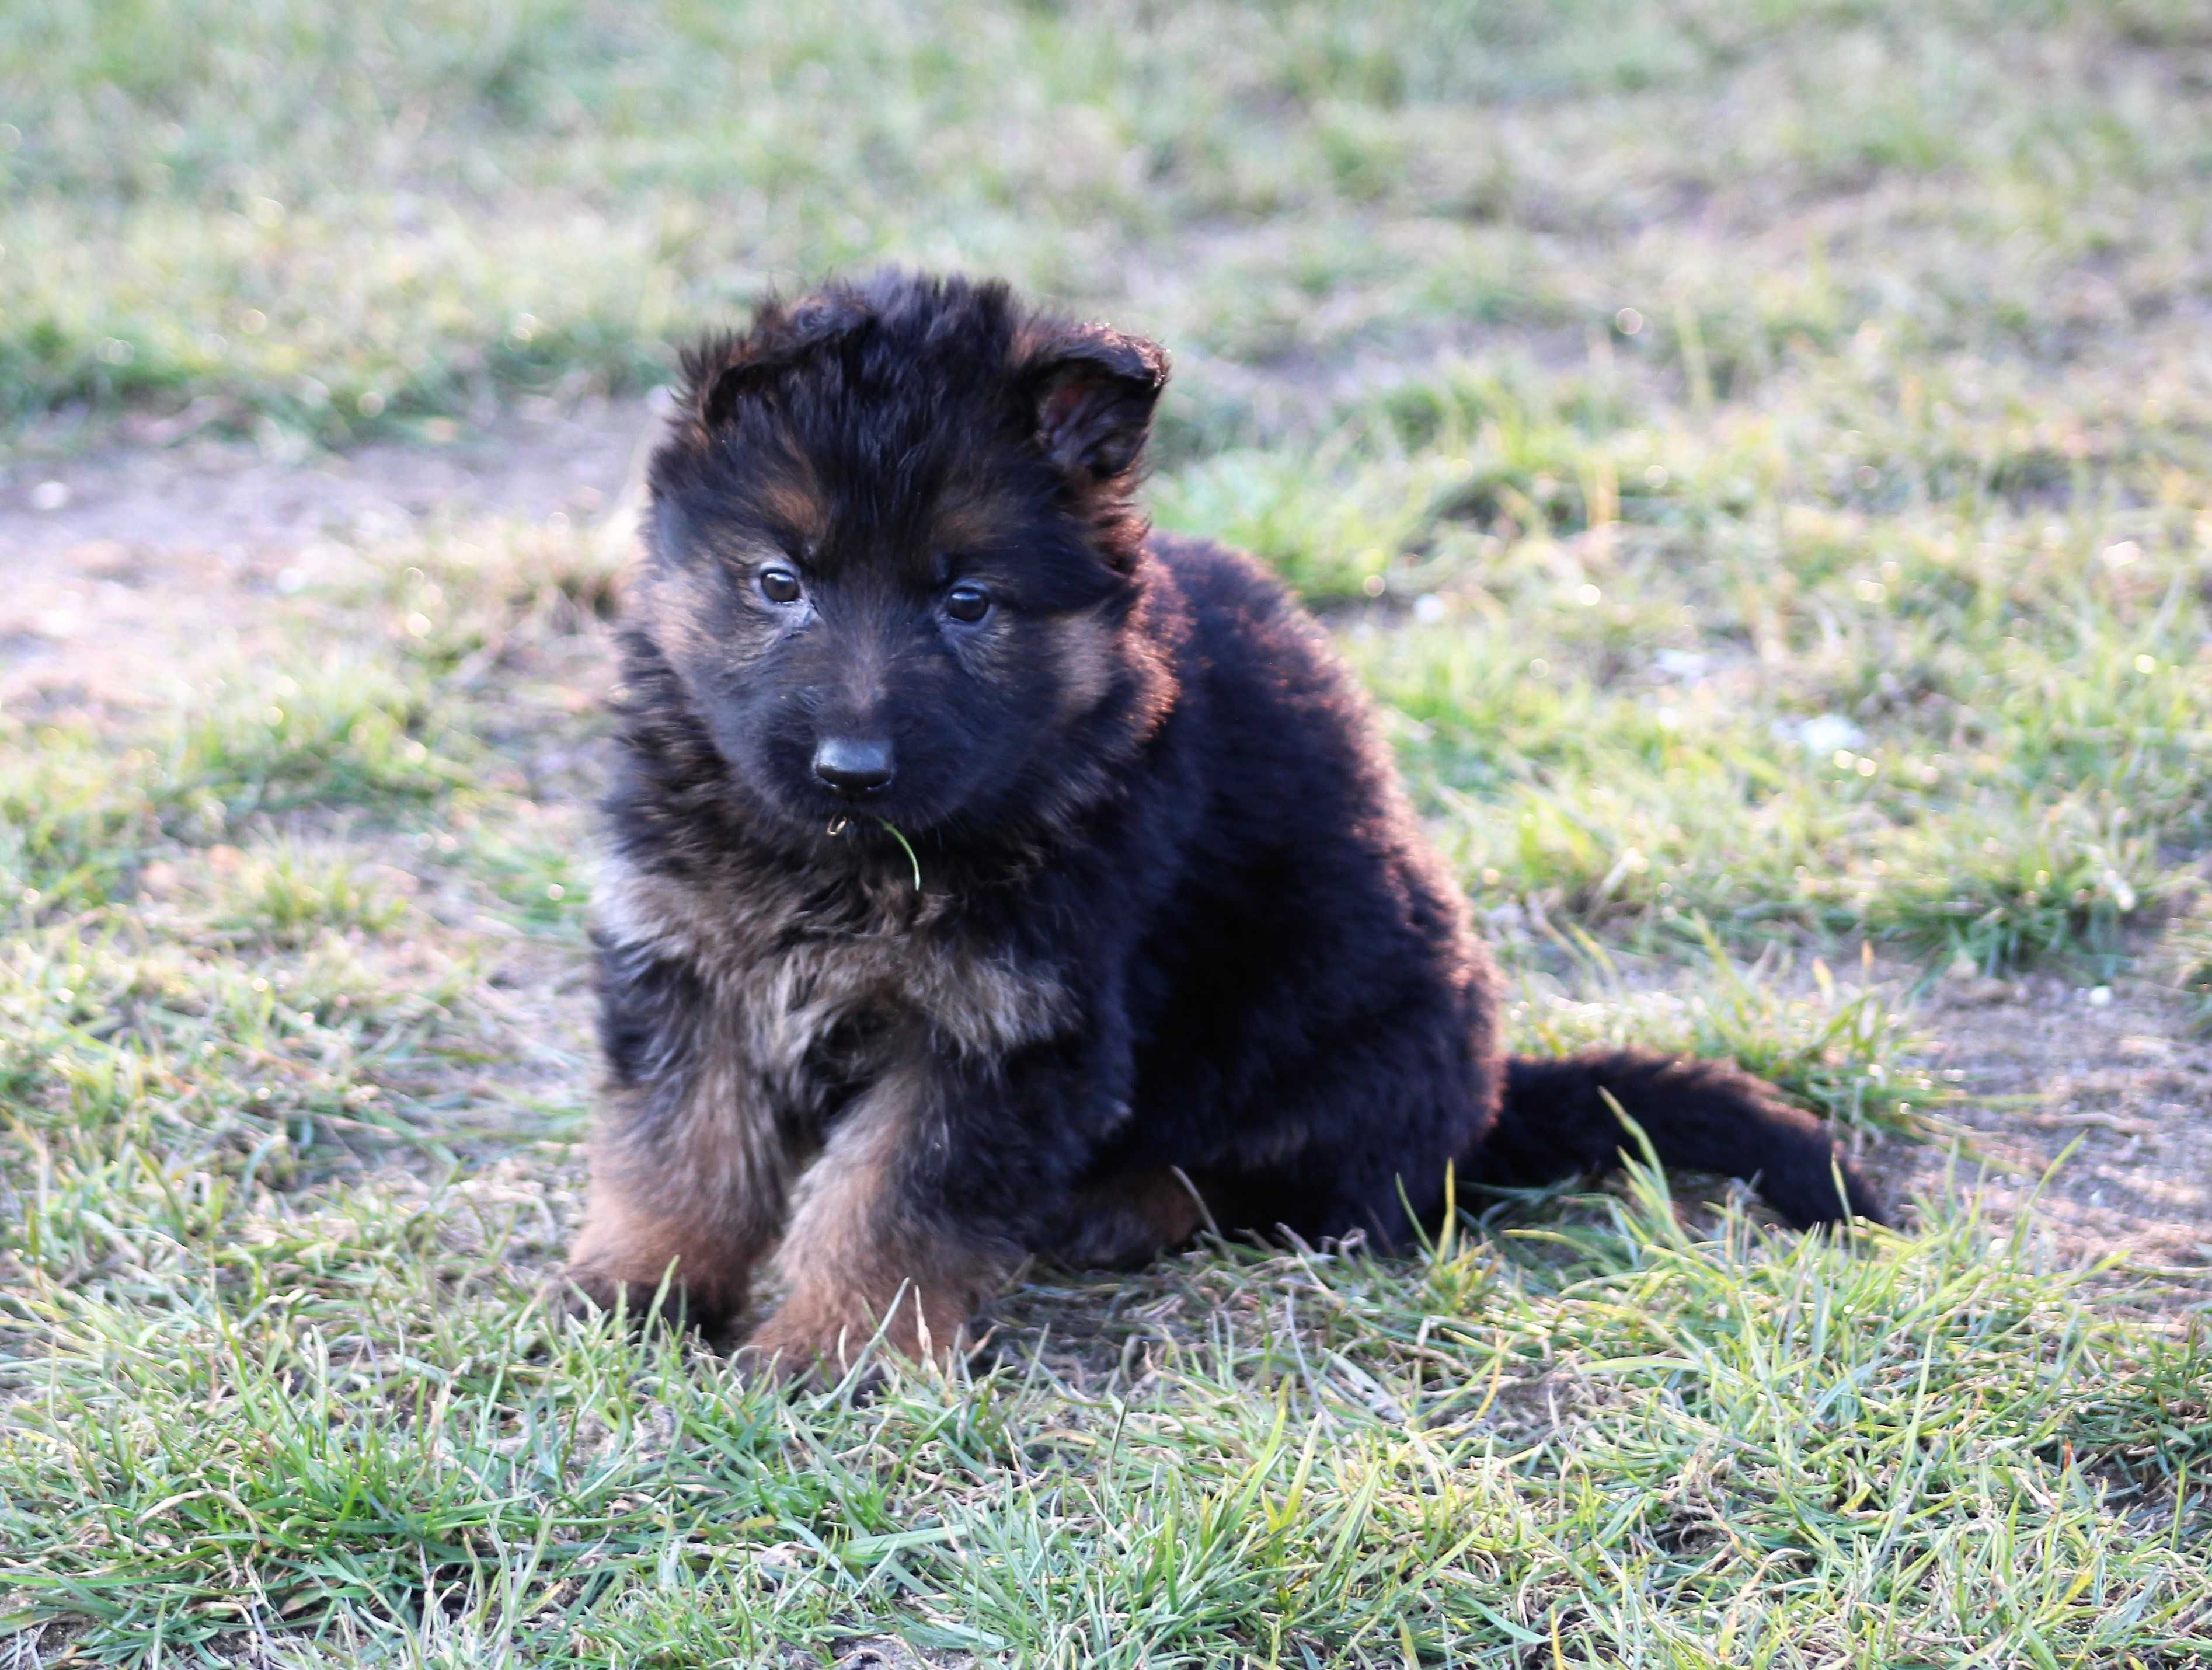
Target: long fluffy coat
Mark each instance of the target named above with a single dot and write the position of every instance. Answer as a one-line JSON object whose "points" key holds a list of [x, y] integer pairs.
{"points": [[1176, 936]]}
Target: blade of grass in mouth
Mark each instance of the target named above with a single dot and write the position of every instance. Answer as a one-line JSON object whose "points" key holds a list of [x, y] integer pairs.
{"points": [[911, 856]]}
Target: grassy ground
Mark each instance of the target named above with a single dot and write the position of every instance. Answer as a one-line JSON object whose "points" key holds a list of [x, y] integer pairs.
{"points": [[1760, 456]]}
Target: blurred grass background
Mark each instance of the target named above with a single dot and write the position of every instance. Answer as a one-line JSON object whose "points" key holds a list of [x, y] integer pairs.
{"points": [[342, 215]]}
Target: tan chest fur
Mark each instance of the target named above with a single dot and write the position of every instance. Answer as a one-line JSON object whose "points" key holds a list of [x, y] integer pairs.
{"points": [[783, 979]]}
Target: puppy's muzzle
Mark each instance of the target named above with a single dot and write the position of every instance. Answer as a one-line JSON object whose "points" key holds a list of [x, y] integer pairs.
{"points": [[853, 768]]}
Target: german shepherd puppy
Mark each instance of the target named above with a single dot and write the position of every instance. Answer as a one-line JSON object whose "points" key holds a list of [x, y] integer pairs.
{"points": [[989, 878]]}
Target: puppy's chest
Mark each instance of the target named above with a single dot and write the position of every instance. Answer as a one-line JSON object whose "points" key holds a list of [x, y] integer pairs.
{"points": [[807, 1001]]}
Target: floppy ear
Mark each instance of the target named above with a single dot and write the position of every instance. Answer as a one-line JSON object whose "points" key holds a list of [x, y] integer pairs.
{"points": [[1093, 390], [724, 371]]}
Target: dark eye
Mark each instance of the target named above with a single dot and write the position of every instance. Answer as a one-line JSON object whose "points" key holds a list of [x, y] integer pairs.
{"points": [[779, 585], [967, 601]]}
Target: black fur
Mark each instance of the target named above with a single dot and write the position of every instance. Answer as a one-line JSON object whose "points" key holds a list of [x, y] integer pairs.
{"points": [[1558, 1118], [1144, 789]]}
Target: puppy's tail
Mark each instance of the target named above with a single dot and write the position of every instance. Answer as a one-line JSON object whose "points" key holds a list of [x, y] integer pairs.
{"points": [[1699, 1116]]}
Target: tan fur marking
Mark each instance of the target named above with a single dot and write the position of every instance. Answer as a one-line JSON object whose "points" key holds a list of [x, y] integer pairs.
{"points": [[796, 502], [966, 517], [785, 999], [1082, 644], [707, 1192], [855, 1255], [629, 1245], [712, 1188], [673, 604], [707, 1188]]}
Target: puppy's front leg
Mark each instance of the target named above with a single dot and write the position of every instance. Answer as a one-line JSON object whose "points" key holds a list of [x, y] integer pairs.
{"points": [[933, 1185], [690, 1170], [874, 1244]]}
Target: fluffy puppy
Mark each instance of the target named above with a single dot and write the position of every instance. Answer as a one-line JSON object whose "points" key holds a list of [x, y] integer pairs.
{"points": [[987, 877]]}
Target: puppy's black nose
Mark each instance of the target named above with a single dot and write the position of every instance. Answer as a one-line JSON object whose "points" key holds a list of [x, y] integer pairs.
{"points": [[853, 766]]}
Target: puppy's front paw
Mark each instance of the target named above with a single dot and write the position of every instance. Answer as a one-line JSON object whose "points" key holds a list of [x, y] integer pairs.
{"points": [[587, 1290], [583, 1293], [805, 1358], [805, 1345]]}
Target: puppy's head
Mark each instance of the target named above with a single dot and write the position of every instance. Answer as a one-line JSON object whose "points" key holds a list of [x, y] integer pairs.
{"points": [[892, 558]]}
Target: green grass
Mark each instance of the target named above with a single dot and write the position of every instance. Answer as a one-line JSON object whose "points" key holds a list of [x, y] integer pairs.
{"points": [[1651, 1445], [336, 218], [1759, 458], [291, 893]]}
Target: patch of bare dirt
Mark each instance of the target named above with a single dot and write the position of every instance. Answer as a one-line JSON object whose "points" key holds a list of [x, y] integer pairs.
{"points": [[2111, 1074], [125, 572], [231, 494]]}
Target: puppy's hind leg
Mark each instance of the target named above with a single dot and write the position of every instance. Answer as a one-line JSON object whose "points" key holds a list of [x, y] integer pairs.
{"points": [[1125, 1220]]}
